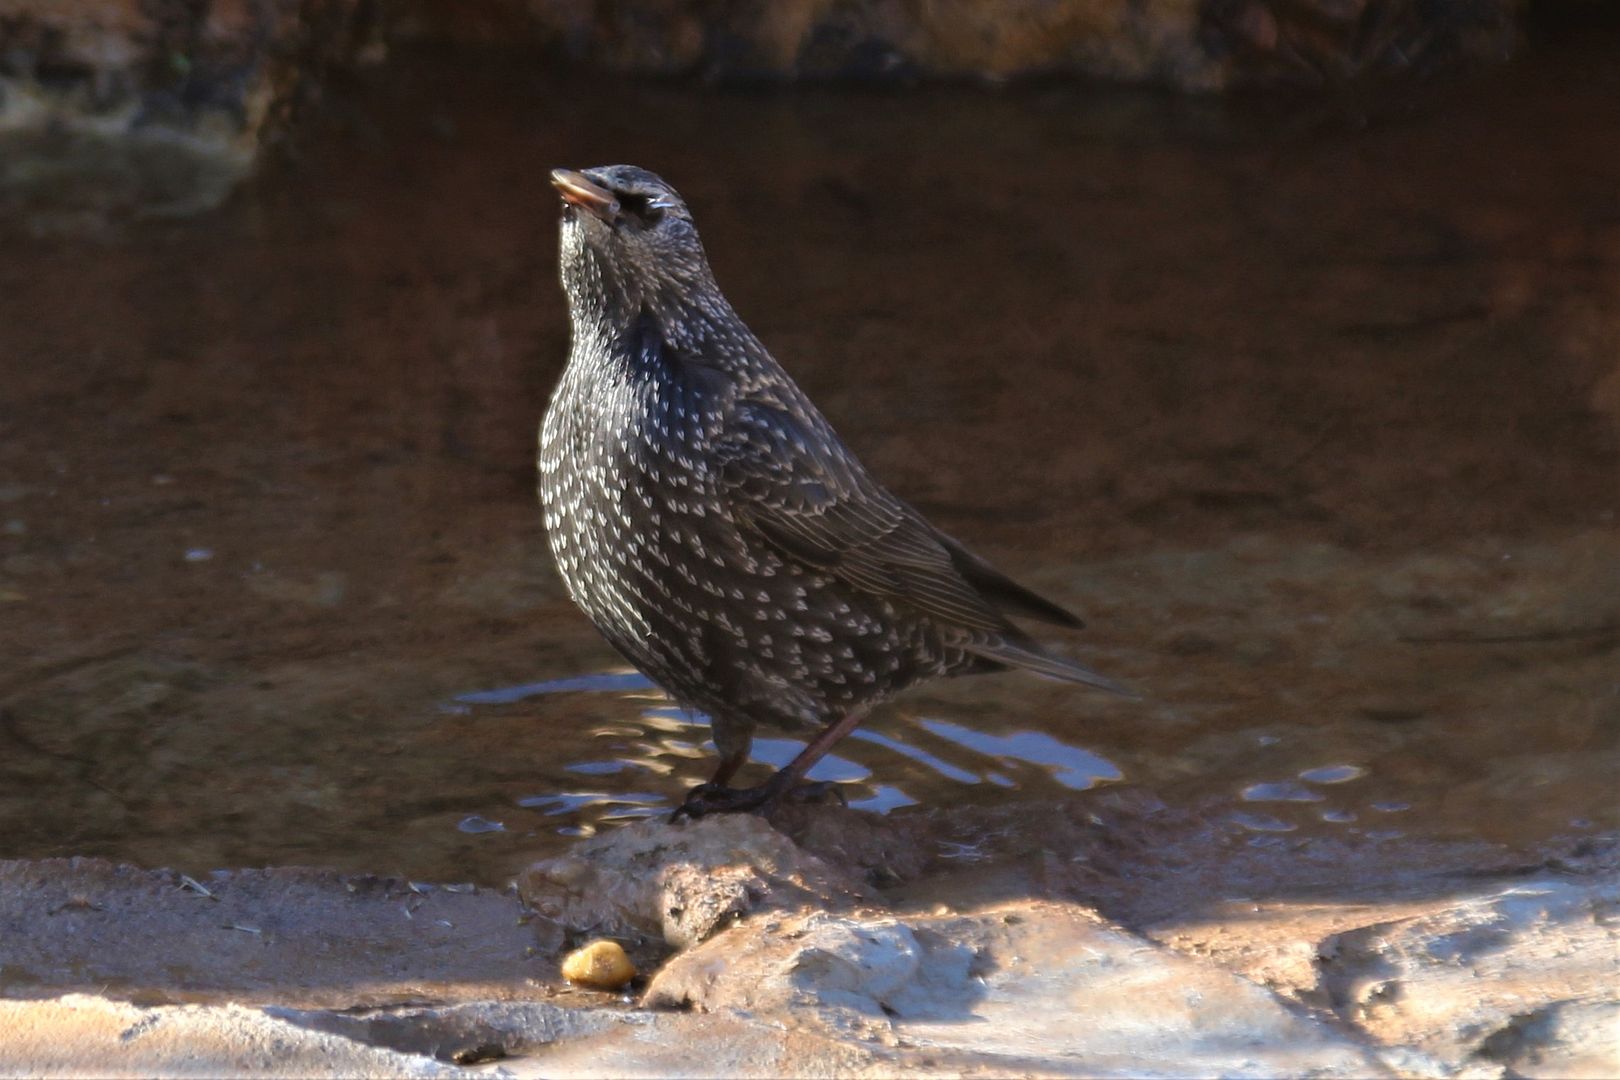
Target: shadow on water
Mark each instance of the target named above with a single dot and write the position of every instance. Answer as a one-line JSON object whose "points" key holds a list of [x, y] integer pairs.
{"points": [[1316, 424]]}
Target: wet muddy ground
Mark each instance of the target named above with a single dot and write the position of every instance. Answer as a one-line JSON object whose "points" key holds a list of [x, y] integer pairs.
{"points": [[1312, 411]]}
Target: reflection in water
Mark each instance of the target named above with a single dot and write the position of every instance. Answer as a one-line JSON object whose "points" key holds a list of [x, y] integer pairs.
{"points": [[1262, 822], [1069, 765], [1283, 791], [665, 740], [597, 768], [671, 732], [475, 823], [1332, 774], [620, 804], [887, 797], [604, 680], [922, 757], [778, 752]]}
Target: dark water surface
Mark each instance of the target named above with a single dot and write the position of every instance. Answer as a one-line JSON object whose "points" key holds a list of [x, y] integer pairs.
{"points": [[1312, 412]]}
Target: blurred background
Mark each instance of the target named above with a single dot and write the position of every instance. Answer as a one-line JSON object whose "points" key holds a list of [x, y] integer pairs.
{"points": [[1278, 338]]}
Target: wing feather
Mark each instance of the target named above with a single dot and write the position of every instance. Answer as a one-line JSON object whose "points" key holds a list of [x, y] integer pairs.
{"points": [[785, 474], [792, 481]]}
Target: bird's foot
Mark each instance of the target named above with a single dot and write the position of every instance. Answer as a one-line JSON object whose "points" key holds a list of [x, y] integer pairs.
{"points": [[706, 799]]}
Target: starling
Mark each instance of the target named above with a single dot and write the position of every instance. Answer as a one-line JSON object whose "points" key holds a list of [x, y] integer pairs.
{"points": [[710, 522]]}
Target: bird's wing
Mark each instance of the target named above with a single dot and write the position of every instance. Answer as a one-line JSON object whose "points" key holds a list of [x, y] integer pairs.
{"points": [[790, 479], [1004, 592]]}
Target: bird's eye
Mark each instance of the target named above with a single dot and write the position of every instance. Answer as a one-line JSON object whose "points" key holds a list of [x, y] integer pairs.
{"points": [[645, 209]]}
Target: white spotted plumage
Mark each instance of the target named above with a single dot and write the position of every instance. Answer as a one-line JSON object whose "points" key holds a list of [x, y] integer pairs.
{"points": [[709, 521]]}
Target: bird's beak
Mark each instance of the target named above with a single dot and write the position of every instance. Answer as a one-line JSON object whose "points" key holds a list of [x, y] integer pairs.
{"points": [[579, 190]]}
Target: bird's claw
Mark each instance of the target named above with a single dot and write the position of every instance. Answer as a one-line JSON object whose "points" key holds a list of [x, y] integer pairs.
{"points": [[706, 799]]}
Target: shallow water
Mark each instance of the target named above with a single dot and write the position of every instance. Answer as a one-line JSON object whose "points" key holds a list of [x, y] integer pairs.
{"points": [[1313, 412]]}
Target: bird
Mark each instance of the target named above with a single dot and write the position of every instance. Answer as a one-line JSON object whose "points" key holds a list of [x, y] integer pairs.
{"points": [[709, 521]]}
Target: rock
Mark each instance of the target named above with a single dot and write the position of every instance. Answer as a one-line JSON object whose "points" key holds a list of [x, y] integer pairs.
{"points": [[467, 1032], [1514, 976], [289, 936], [78, 1035], [1025, 987], [1191, 46], [114, 107], [1559, 1039], [882, 850], [1525, 975], [678, 884], [598, 965], [538, 1039], [111, 110]]}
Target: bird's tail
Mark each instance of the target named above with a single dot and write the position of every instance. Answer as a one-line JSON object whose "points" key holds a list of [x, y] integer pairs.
{"points": [[1031, 657]]}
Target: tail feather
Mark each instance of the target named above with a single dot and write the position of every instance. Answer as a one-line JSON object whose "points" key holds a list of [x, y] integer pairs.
{"points": [[1005, 593], [1031, 657]]}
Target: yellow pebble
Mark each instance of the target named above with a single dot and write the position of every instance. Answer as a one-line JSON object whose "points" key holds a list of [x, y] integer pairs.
{"points": [[600, 965]]}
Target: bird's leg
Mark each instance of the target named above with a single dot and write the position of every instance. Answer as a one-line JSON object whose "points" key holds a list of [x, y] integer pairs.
{"points": [[789, 778], [713, 790], [715, 798], [729, 764]]}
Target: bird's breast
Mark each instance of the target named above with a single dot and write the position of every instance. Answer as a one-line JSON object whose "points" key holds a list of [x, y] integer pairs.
{"points": [[630, 499]]}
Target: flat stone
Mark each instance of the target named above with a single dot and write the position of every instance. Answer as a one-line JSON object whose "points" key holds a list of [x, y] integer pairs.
{"points": [[1027, 987], [290, 936], [1505, 976], [1523, 976], [466, 1032], [679, 884], [79, 1035]]}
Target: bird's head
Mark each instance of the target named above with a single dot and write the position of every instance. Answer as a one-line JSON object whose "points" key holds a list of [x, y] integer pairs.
{"points": [[628, 239]]}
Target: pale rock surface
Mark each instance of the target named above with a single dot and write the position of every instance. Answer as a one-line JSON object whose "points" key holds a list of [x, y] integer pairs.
{"points": [[79, 1035], [1523, 976], [287, 936], [1034, 987], [794, 970], [678, 885], [1496, 977]]}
